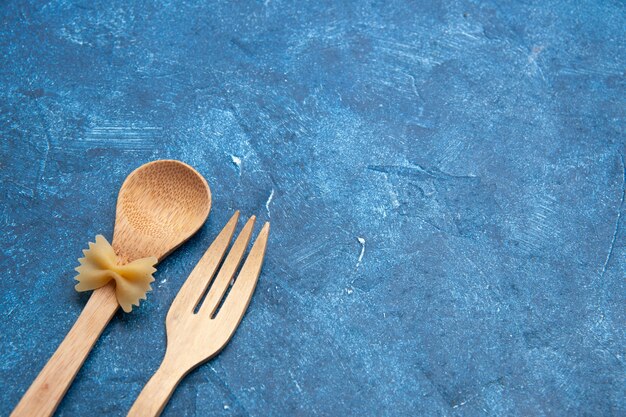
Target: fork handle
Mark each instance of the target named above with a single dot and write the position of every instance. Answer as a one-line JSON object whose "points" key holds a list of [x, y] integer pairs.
{"points": [[157, 392], [48, 389]]}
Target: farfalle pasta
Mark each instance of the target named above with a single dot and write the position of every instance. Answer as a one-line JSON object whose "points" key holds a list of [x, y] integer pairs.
{"points": [[101, 265]]}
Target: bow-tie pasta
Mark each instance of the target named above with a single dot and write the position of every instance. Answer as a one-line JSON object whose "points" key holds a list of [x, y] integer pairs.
{"points": [[101, 265]]}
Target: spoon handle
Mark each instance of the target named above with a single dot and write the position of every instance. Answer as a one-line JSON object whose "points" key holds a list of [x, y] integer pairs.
{"points": [[48, 389]]}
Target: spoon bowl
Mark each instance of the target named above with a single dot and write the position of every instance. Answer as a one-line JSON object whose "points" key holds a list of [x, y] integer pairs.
{"points": [[160, 205]]}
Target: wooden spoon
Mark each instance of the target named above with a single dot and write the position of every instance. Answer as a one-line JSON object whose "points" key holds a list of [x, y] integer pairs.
{"points": [[160, 205]]}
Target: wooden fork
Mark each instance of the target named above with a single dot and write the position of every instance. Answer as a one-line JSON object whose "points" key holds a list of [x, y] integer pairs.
{"points": [[196, 334]]}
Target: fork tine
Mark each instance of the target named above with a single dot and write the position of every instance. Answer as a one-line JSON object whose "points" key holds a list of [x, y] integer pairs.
{"points": [[230, 265], [199, 279], [237, 301]]}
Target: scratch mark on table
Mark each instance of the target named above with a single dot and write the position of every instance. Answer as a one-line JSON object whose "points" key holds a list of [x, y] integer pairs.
{"points": [[237, 161], [268, 202], [124, 137], [362, 242], [617, 220]]}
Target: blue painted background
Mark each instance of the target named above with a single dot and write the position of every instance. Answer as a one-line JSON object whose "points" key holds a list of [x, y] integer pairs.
{"points": [[475, 147]]}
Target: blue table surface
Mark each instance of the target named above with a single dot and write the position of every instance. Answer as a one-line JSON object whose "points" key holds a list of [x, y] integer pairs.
{"points": [[445, 183]]}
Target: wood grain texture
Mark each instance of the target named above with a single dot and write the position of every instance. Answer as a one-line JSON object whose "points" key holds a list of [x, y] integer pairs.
{"points": [[160, 205], [193, 338]]}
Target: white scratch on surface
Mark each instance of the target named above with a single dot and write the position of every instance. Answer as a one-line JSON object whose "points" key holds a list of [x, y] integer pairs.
{"points": [[362, 242], [295, 382], [534, 53], [126, 136], [308, 257], [267, 204], [414, 89], [73, 37], [617, 220], [44, 160], [237, 161], [460, 404], [541, 223], [45, 157], [532, 61], [395, 202]]}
